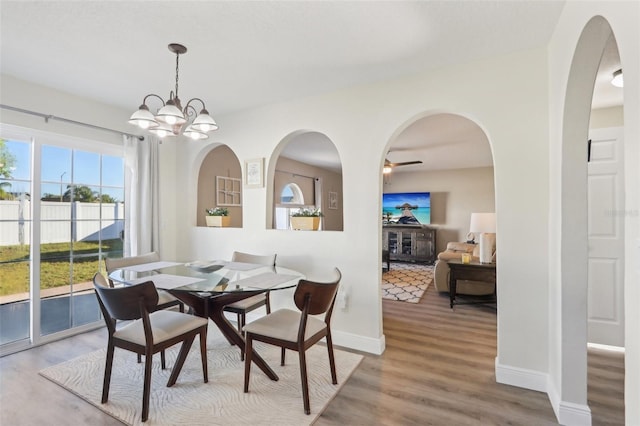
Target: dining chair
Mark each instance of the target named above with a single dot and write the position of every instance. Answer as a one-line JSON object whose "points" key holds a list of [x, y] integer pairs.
{"points": [[297, 330], [165, 299], [249, 304], [147, 331]]}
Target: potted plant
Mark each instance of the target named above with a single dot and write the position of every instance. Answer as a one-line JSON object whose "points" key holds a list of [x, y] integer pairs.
{"points": [[306, 219], [218, 216]]}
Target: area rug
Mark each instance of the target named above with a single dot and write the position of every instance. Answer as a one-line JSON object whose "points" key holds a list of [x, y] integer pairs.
{"points": [[221, 401], [406, 282]]}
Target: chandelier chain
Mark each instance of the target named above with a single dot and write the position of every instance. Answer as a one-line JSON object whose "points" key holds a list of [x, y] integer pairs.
{"points": [[177, 71]]}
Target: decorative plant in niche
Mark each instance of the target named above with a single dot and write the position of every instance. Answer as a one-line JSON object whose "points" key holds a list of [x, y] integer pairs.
{"points": [[218, 216], [306, 219], [307, 213], [218, 211]]}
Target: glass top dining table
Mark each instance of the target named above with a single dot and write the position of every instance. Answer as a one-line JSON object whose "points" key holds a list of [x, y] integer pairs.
{"points": [[207, 287], [209, 279]]}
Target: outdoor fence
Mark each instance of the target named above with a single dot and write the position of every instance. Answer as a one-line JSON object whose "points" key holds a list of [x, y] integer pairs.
{"points": [[60, 222]]}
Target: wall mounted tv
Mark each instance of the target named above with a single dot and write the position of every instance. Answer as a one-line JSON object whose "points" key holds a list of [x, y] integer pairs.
{"points": [[406, 208]]}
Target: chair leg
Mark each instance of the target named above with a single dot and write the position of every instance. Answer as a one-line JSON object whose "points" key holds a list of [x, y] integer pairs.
{"points": [[163, 362], [267, 302], [242, 319], [305, 384], [181, 307], [247, 361], [182, 356], [282, 352], [146, 392], [139, 358], [332, 362], [107, 372], [238, 323], [203, 354]]}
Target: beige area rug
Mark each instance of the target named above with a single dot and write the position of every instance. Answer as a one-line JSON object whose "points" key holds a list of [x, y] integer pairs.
{"points": [[221, 401], [406, 282]]}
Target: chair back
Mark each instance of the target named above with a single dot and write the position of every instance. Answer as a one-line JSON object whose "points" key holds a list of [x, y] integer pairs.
{"points": [[320, 296], [269, 260], [116, 263], [124, 303]]}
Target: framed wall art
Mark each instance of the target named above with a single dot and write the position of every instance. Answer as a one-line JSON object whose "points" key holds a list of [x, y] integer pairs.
{"points": [[333, 200], [254, 173]]}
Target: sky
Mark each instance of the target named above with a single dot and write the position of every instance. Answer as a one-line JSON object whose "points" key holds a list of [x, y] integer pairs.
{"points": [[63, 166]]}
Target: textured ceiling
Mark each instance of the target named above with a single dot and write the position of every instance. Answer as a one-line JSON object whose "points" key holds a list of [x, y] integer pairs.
{"points": [[245, 54]]}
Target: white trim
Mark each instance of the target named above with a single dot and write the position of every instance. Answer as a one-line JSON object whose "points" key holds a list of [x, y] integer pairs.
{"points": [[520, 377], [605, 347], [568, 413], [357, 342]]}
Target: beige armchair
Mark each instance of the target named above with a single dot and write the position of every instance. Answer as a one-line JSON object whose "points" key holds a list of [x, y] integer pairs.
{"points": [[441, 270]]}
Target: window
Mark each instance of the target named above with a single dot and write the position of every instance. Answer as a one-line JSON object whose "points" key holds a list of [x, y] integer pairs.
{"points": [[291, 200]]}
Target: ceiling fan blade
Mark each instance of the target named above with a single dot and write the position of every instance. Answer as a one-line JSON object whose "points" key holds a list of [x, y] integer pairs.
{"points": [[405, 163]]}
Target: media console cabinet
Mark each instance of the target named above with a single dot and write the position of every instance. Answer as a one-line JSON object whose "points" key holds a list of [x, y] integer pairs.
{"points": [[410, 243]]}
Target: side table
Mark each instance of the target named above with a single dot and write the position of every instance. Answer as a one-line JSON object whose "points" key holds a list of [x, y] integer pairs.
{"points": [[474, 271]]}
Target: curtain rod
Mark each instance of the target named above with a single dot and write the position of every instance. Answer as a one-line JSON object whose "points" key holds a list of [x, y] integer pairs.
{"points": [[48, 117], [296, 174]]}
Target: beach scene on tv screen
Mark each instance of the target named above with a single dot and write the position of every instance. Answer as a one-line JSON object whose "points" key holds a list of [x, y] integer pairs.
{"points": [[406, 208]]}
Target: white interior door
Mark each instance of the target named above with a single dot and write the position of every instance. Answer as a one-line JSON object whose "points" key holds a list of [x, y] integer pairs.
{"points": [[606, 238]]}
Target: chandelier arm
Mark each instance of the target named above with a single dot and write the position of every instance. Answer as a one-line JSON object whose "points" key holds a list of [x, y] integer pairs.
{"points": [[204, 107], [144, 101], [189, 110]]}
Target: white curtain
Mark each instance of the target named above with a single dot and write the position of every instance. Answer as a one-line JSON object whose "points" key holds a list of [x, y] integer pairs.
{"points": [[142, 224]]}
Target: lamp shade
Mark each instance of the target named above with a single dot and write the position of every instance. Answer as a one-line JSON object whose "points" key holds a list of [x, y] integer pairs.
{"points": [[483, 223], [170, 114], [194, 134], [162, 130], [204, 122], [143, 118]]}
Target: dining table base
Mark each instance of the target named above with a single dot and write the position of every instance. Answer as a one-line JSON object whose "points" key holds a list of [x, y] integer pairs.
{"points": [[213, 308]]}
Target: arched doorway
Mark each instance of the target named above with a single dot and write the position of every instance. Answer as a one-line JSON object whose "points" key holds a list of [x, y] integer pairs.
{"points": [[447, 156], [571, 404]]}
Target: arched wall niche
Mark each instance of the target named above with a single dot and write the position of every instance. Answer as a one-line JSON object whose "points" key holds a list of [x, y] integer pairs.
{"points": [[309, 160], [220, 185]]}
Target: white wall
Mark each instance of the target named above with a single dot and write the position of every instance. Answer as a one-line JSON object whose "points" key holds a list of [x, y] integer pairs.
{"points": [[569, 110], [455, 194], [362, 122], [606, 117]]}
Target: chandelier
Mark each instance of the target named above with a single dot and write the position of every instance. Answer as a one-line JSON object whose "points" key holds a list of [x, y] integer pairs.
{"points": [[171, 119]]}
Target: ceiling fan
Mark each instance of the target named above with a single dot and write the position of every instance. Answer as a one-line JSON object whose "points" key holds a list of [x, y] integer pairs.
{"points": [[388, 165]]}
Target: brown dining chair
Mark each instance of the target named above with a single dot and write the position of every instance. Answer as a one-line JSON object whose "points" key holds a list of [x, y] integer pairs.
{"points": [[165, 299], [249, 304], [147, 331], [297, 330]]}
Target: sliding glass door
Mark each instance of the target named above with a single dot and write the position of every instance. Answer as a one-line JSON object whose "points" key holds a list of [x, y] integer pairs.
{"points": [[15, 236], [63, 210]]}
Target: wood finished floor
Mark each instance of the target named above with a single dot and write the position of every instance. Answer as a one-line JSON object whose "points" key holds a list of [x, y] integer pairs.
{"points": [[438, 369]]}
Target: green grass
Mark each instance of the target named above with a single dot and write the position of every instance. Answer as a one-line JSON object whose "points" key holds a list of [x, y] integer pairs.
{"points": [[55, 264]]}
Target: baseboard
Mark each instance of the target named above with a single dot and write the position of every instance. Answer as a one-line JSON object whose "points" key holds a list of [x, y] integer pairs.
{"points": [[521, 377], [567, 413], [359, 343]]}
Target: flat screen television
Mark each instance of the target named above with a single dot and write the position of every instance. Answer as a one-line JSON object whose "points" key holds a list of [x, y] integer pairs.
{"points": [[406, 208]]}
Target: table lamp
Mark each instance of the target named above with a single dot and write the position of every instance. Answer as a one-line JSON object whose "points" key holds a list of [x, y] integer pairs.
{"points": [[485, 225]]}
